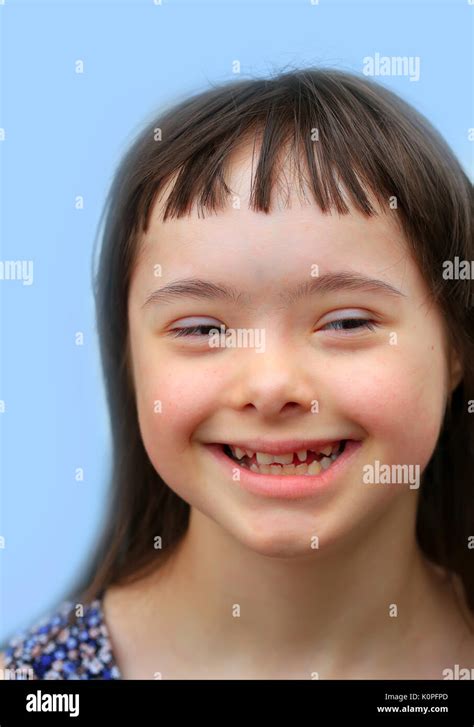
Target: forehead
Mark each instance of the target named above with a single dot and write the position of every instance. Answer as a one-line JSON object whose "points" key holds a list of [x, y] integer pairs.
{"points": [[294, 227]]}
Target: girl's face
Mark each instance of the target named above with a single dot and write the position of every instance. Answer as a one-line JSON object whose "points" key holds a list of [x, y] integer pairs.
{"points": [[385, 385]]}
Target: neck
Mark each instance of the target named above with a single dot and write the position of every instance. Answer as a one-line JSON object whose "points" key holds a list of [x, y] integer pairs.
{"points": [[345, 602]]}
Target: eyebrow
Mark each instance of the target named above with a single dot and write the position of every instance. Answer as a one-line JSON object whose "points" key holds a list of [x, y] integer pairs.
{"points": [[200, 289]]}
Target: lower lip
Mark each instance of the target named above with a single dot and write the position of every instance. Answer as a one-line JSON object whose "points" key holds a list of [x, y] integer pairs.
{"points": [[287, 486]]}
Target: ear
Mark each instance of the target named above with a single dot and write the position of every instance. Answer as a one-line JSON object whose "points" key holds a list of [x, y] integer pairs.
{"points": [[456, 371]]}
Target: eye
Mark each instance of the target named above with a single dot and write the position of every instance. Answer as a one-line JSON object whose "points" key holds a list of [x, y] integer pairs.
{"points": [[197, 330], [193, 330], [347, 324]]}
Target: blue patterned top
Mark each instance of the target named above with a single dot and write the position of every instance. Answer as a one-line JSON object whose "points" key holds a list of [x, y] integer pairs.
{"points": [[63, 646]]}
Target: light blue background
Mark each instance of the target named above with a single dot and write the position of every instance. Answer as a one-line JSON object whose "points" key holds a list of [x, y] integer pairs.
{"points": [[65, 134]]}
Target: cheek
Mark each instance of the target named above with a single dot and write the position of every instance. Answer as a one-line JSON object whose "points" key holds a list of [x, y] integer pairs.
{"points": [[398, 398], [170, 403]]}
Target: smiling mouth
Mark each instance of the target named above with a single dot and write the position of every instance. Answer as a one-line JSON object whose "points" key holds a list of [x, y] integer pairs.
{"points": [[305, 462]]}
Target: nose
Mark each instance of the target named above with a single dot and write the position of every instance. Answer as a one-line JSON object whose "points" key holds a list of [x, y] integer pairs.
{"points": [[276, 381]]}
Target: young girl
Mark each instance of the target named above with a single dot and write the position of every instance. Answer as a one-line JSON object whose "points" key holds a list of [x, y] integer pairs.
{"points": [[288, 346]]}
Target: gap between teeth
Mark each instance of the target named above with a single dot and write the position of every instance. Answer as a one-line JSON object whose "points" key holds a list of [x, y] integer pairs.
{"points": [[282, 468], [283, 459]]}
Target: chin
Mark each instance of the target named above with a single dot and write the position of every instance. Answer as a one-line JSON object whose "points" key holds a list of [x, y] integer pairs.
{"points": [[283, 536]]}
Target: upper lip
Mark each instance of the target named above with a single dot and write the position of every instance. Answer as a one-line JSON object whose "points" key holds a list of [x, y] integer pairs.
{"points": [[282, 446]]}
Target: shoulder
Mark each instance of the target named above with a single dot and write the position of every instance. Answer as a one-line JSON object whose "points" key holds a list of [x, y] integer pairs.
{"points": [[70, 643]]}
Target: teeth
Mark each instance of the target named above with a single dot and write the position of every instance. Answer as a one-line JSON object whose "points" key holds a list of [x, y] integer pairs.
{"points": [[289, 469], [266, 460], [283, 458], [327, 450], [325, 462], [314, 468]]}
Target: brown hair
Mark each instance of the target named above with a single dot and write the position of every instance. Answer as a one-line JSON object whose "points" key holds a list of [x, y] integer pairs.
{"points": [[368, 141]]}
